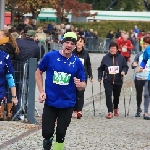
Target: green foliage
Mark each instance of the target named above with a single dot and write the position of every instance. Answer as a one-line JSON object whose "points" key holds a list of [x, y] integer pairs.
{"points": [[104, 27], [127, 5]]}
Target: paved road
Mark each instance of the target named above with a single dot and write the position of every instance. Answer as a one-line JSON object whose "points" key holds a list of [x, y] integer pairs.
{"points": [[91, 132]]}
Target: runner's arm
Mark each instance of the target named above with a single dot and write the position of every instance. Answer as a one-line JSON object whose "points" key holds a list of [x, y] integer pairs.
{"points": [[39, 80]]}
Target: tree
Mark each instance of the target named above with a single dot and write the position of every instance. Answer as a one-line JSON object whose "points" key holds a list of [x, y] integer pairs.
{"points": [[11, 6], [64, 7], [137, 5], [26, 6], [32, 6]]}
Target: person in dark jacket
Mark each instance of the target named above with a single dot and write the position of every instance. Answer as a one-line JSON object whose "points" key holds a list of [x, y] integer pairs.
{"points": [[118, 34], [85, 59], [28, 49], [109, 37], [113, 67]]}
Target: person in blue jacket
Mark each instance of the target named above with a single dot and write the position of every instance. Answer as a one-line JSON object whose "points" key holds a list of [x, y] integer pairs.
{"points": [[146, 56], [6, 71], [64, 73]]}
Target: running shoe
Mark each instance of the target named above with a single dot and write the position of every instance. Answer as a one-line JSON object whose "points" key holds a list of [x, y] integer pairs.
{"points": [[109, 115], [79, 114], [116, 112]]}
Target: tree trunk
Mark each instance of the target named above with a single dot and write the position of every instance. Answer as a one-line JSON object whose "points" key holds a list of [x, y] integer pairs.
{"points": [[58, 19]]}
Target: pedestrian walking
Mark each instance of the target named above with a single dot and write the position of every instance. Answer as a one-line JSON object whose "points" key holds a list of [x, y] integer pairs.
{"points": [[125, 46], [64, 73], [113, 67], [146, 57], [83, 55], [141, 81]]}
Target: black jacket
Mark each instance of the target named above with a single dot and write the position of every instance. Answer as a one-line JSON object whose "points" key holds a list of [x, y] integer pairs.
{"points": [[112, 60], [87, 63], [7, 48], [28, 49]]}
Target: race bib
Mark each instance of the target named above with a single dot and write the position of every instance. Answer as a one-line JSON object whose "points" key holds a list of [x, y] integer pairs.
{"points": [[124, 49], [82, 60], [61, 78], [113, 69]]}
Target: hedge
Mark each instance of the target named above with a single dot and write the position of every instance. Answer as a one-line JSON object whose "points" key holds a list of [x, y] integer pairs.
{"points": [[103, 27]]}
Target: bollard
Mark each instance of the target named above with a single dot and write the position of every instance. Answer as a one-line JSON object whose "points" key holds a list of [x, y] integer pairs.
{"points": [[31, 93]]}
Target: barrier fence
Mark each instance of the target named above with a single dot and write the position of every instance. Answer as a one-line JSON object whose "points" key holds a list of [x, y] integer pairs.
{"points": [[96, 45], [24, 76]]}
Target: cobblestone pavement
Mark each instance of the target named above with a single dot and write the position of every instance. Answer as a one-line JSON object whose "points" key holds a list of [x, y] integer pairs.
{"points": [[90, 132]]}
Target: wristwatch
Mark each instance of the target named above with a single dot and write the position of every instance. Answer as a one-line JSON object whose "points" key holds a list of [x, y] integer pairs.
{"points": [[14, 96]]}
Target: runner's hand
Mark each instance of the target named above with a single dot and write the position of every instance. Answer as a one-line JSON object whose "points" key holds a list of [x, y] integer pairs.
{"points": [[77, 82], [42, 97]]}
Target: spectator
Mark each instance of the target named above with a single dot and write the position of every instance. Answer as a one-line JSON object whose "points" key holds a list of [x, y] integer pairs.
{"points": [[95, 40], [28, 49], [50, 27], [118, 33], [41, 36], [81, 32], [68, 28], [136, 30], [109, 37], [86, 34], [90, 39], [20, 30], [8, 44], [27, 27], [33, 24]]}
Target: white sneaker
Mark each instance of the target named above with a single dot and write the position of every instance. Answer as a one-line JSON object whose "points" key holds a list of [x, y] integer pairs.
{"points": [[21, 117]]}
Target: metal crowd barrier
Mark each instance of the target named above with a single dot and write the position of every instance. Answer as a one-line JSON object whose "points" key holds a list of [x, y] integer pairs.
{"points": [[92, 44], [136, 45], [97, 45], [55, 46], [24, 76], [101, 45], [48, 47]]}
